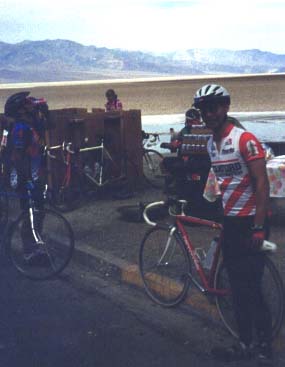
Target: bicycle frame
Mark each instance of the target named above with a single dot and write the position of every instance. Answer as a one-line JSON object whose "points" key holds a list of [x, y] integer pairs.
{"points": [[98, 182], [207, 282], [170, 263]]}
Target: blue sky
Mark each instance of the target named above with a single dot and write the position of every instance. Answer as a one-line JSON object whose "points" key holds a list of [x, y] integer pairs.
{"points": [[148, 25]]}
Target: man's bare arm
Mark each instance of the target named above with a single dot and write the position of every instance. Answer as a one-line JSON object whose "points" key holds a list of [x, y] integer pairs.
{"points": [[257, 170]]}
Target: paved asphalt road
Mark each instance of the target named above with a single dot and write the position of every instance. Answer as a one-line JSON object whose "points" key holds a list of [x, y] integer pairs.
{"points": [[80, 320]]}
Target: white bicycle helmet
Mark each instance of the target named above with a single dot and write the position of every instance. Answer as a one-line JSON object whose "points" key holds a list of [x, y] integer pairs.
{"points": [[211, 93]]}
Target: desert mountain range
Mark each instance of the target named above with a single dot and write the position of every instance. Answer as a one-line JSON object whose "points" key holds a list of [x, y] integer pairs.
{"points": [[63, 60]]}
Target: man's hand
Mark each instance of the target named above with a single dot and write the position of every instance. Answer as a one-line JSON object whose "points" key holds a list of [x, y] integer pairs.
{"points": [[257, 238], [176, 144]]}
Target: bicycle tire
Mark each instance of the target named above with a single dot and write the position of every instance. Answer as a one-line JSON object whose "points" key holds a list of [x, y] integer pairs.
{"points": [[151, 168], [4, 202], [4, 210], [124, 185], [165, 283], [67, 199], [274, 295], [58, 238]]}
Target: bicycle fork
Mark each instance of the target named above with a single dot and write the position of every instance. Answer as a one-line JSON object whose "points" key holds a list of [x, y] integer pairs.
{"points": [[167, 246], [35, 233], [167, 249]]}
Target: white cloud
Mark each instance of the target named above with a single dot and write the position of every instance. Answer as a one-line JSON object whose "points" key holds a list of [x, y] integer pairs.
{"points": [[155, 25]]}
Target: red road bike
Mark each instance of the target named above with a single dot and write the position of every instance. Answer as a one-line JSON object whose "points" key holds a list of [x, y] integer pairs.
{"points": [[170, 263]]}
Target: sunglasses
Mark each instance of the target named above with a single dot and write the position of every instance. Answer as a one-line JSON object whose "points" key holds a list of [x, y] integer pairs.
{"points": [[209, 107]]}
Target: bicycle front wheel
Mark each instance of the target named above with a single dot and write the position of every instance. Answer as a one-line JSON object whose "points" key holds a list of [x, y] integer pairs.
{"points": [[58, 244], [151, 168], [164, 266], [273, 291]]}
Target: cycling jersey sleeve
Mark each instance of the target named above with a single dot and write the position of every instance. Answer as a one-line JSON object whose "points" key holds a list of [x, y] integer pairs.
{"points": [[250, 147]]}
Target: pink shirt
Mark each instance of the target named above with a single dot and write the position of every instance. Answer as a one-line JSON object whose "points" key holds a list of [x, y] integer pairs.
{"points": [[115, 105]]}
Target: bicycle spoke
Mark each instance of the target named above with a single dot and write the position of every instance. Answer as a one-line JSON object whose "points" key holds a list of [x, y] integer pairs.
{"points": [[151, 168], [164, 267]]}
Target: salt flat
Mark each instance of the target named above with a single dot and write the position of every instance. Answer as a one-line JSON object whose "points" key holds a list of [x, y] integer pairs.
{"points": [[167, 95]]}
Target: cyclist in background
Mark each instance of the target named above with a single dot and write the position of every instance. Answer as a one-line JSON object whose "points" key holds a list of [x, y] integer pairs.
{"points": [[238, 162], [113, 103], [25, 141], [187, 172]]}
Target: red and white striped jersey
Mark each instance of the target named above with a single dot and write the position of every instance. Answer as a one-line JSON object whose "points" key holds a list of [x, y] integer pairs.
{"points": [[230, 166]]}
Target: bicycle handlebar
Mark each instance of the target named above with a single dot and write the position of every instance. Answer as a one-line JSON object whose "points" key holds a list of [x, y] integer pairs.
{"points": [[47, 150], [67, 147], [167, 203], [149, 206], [153, 137]]}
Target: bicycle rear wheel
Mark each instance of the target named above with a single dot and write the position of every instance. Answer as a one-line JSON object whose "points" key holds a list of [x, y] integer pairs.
{"points": [[58, 245], [67, 198], [151, 168], [4, 210], [4, 202], [164, 266], [273, 292]]}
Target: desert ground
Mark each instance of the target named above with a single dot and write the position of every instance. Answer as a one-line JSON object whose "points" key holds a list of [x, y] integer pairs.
{"points": [[261, 92]]}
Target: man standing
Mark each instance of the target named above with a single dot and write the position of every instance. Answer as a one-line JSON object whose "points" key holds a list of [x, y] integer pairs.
{"points": [[239, 164], [28, 116], [188, 171]]}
